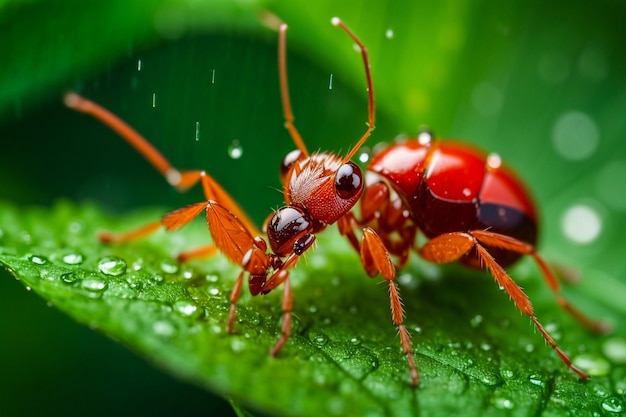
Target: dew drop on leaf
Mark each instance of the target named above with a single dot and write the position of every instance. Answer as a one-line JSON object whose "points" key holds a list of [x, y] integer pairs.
{"points": [[186, 308], [163, 328], [39, 260], [69, 277], [169, 266], [537, 380], [73, 258], [613, 404], [112, 266], [94, 285]]}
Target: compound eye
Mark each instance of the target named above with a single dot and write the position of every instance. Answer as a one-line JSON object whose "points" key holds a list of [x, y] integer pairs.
{"points": [[348, 181], [288, 161]]}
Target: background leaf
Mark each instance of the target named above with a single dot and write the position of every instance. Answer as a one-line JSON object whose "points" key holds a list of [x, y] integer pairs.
{"points": [[510, 79]]}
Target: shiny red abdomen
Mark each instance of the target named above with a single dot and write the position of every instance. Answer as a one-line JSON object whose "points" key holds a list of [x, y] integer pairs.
{"points": [[453, 187]]}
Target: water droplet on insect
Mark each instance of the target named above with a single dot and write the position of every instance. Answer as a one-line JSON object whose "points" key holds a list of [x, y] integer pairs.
{"points": [[425, 137], [169, 266], [73, 258], [235, 150], [494, 161], [581, 224], [466, 192], [614, 349], [39, 260], [593, 364], [186, 308], [613, 404], [575, 135], [112, 266], [164, 328], [389, 33], [69, 277], [94, 285]]}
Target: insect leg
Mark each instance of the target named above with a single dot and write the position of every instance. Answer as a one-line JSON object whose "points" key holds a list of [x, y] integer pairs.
{"points": [[506, 242], [450, 247], [375, 259]]}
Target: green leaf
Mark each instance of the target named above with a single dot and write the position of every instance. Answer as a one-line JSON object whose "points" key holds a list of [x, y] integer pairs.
{"points": [[502, 77], [344, 354]]}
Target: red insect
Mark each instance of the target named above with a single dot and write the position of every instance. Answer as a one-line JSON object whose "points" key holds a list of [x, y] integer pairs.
{"points": [[471, 207]]}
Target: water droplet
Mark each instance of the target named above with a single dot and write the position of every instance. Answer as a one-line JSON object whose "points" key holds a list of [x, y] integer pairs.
{"points": [[537, 380], [93, 285], [575, 135], [486, 99], [485, 346], [139, 65], [169, 266], [425, 137], [494, 161], [197, 131], [213, 76], [235, 150], [355, 341], [330, 82], [613, 404], [593, 364], [320, 340], [164, 328], [476, 320], [237, 344], [364, 154], [73, 258], [39, 260], [69, 277], [581, 223], [186, 308], [153, 100], [614, 349], [503, 403], [389, 34], [112, 266]]}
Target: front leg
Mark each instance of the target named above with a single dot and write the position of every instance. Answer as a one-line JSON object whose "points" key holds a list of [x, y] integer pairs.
{"points": [[376, 259]]}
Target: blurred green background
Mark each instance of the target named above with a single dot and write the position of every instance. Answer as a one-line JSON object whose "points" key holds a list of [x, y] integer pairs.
{"points": [[540, 83]]}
